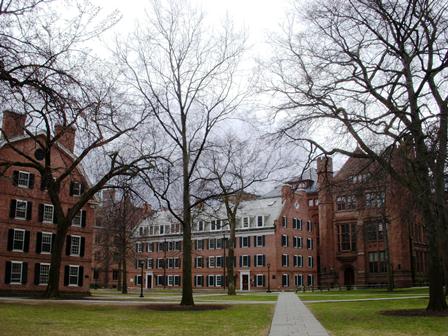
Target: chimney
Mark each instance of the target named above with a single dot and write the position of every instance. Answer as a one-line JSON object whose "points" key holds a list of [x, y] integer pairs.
{"points": [[67, 138], [13, 124], [286, 191]]}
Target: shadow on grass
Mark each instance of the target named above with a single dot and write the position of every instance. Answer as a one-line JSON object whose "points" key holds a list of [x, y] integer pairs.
{"points": [[177, 307]]}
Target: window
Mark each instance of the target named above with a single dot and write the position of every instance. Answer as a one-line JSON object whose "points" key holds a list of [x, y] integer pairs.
{"points": [[377, 262], [346, 202], [260, 221], [310, 262], [160, 263], [259, 260], [284, 222], [259, 241], [149, 263], [374, 231], [198, 280], [298, 261], [346, 237], [298, 280], [309, 243], [285, 280], [214, 225], [244, 242], [16, 272], [210, 280], [244, 261], [76, 189], [46, 242], [177, 280], [259, 280], [75, 246], [21, 209], [201, 226], [139, 247], [160, 280], [374, 199], [310, 203], [284, 241], [198, 262], [23, 179], [309, 226], [297, 223], [79, 218], [219, 261], [199, 244], [212, 243], [285, 260], [18, 240], [44, 273], [138, 280], [211, 262], [245, 222], [73, 275], [148, 247], [219, 243], [310, 280], [297, 242]]}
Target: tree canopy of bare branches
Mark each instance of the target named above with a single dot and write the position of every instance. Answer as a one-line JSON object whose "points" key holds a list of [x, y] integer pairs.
{"points": [[375, 73]]}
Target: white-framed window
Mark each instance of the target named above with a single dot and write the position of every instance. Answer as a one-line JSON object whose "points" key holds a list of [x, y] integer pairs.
{"points": [[75, 246], [260, 221], [198, 280], [201, 226], [46, 242], [210, 280], [245, 261], [48, 213], [160, 280], [44, 273], [76, 189], [219, 261], [78, 218], [284, 241], [73, 275], [211, 262], [309, 243], [259, 280], [310, 262], [21, 209], [310, 280], [259, 241], [298, 280], [245, 222], [309, 226], [285, 280], [297, 223], [23, 179], [139, 247], [284, 221], [200, 244], [244, 241], [16, 272], [260, 260], [170, 280], [285, 260], [199, 262], [18, 242], [298, 261], [148, 247], [214, 225], [149, 263], [297, 242]]}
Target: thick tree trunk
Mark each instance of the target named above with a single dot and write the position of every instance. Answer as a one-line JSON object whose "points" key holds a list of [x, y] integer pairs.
{"points": [[119, 277], [230, 265], [52, 290], [124, 281]]}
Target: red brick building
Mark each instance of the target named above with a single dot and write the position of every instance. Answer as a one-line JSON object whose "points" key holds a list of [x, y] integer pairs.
{"points": [[27, 221], [368, 231], [275, 243]]}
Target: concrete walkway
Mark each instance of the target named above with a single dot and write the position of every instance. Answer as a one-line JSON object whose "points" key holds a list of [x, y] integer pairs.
{"points": [[293, 318]]}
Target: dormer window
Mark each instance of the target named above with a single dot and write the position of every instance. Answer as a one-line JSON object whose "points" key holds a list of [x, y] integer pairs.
{"points": [[245, 222], [260, 221], [214, 225], [201, 226]]}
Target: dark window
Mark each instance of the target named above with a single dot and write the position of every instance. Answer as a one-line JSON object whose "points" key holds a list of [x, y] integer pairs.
{"points": [[347, 237]]}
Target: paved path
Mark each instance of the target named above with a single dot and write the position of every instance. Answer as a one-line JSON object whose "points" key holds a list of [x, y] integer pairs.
{"points": [[293, 318]]}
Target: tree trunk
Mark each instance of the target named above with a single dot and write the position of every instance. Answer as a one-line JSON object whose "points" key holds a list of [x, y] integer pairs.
{"points": [[119, 277], [390, 271], [124, 281], [52, 290], [230, 265]]}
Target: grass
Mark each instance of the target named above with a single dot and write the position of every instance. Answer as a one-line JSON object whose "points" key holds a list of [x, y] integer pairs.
{"points": [[364, 318], [73, 319], [361, 294], [239, 297]]}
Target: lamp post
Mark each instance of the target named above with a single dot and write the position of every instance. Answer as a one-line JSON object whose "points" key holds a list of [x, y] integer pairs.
{"points": [[224, 246], [269, 279], [141, 279]]}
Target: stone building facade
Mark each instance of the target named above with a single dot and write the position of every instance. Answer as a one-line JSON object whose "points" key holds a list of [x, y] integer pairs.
{"points": [[27, 221]]}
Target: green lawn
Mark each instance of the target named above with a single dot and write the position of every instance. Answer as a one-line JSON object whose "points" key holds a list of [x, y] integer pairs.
{"points": [[362, 294], [363, 318], [73, 319], [239, 297]]}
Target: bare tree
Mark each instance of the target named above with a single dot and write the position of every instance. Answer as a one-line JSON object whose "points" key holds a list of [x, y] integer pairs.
{"points": [[47, 74], [375, 72], [230, 168], [185, 74]]}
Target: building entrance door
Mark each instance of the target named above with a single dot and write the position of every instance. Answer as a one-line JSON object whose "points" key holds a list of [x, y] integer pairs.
{"points": [[245, 281], [149, 281], [349, 277]]}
